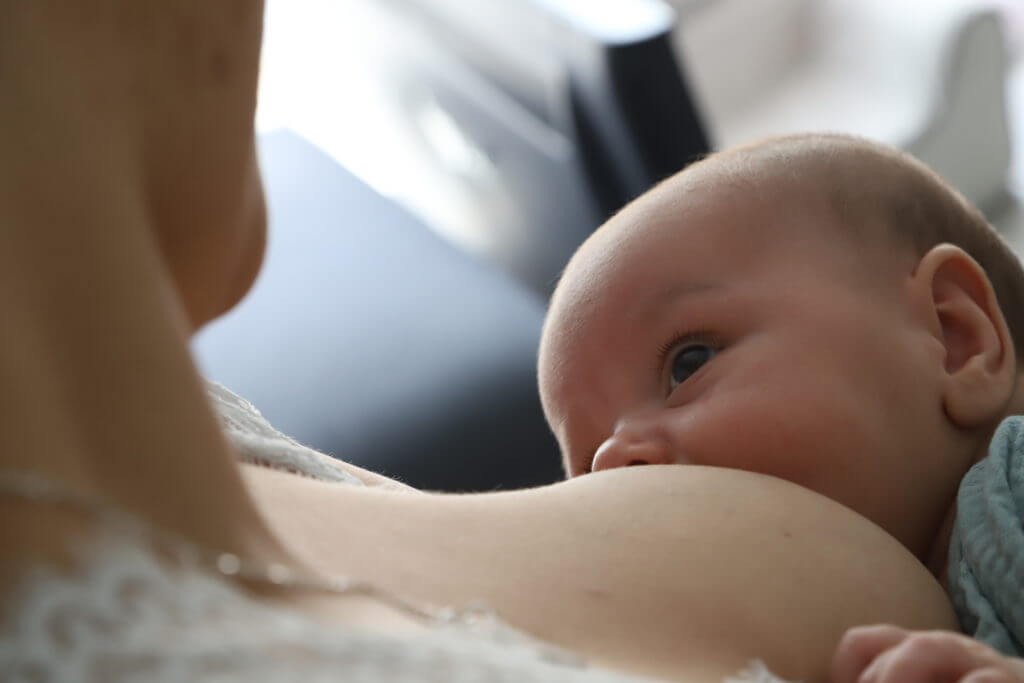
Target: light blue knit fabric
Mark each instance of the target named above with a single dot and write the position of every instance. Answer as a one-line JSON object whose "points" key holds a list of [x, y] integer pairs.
{"points": [[986, 552]]}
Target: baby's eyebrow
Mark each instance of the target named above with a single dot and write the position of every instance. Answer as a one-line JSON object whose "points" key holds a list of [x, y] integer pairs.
{"points": [[679, 290], [684, 289]]}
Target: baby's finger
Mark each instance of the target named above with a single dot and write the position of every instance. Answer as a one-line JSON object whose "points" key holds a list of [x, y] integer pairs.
{"points": [[991, 675], [922, 657], [860, 646]]}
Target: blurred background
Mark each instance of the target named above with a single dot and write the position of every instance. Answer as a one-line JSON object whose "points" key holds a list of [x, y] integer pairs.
{"points": [[431, 165]]}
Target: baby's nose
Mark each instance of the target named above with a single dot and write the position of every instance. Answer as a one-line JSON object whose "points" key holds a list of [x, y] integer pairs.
{"points": [[634, 446]]}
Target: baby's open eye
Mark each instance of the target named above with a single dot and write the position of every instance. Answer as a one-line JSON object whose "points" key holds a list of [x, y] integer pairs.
{"points": [[687, 361]]}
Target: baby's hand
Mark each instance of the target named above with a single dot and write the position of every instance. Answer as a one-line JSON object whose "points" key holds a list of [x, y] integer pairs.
{"points": [[888, 654]]}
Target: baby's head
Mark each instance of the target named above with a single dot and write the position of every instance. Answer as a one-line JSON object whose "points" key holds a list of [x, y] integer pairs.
{"points": [[796, 307]]}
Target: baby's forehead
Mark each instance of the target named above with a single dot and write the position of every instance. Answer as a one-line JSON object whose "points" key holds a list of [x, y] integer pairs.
{"points": [[704, 200], [725, 206], [675, 216]]}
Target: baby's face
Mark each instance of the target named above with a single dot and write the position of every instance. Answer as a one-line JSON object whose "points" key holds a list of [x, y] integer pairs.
{"points": [[710, 329]]}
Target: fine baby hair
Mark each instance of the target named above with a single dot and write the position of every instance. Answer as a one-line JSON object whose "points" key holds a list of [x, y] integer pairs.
{"points": [[878, 191]]}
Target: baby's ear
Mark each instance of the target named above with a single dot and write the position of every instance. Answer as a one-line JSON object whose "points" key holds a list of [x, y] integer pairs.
{"points": [[980, 365]]}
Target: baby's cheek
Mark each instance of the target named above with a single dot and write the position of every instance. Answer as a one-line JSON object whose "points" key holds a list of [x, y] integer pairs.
{"points": [[769, 434]]}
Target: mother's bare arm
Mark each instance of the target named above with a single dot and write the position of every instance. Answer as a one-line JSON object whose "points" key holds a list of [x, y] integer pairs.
{"points": [[680, 572]]}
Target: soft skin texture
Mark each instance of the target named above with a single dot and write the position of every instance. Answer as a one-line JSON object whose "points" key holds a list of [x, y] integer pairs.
{"points": [[682, 573], [851, 368]]}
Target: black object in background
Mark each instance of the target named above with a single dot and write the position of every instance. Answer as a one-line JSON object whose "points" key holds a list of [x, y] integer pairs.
{"points": [[369, 337], [579, 106]]}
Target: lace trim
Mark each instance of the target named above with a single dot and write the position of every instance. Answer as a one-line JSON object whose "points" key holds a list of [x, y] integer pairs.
{"points": [[756, 672], [124, 616], [257, 442]]}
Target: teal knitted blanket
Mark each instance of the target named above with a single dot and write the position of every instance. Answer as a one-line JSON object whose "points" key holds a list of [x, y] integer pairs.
{"points": [[986, 552]]}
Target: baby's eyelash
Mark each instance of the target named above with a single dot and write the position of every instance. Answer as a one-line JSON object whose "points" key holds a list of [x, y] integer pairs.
{"points": [[682, 339]]}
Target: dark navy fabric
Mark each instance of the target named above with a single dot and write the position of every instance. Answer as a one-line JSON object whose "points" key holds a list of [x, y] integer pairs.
{"points": [[369, 337]]}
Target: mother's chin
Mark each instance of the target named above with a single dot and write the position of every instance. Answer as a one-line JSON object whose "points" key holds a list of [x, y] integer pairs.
{"points": [[214, 259], [243, 264]]}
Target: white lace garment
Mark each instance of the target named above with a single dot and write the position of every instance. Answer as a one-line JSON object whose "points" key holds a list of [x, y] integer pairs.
{"points": [[126, 616]]}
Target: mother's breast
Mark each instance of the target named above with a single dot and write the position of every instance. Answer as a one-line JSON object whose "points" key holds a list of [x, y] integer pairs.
{"points": [[680, 572]]}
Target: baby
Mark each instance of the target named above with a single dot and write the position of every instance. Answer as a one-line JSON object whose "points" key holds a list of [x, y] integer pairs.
{"points": [[818, 308]]}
